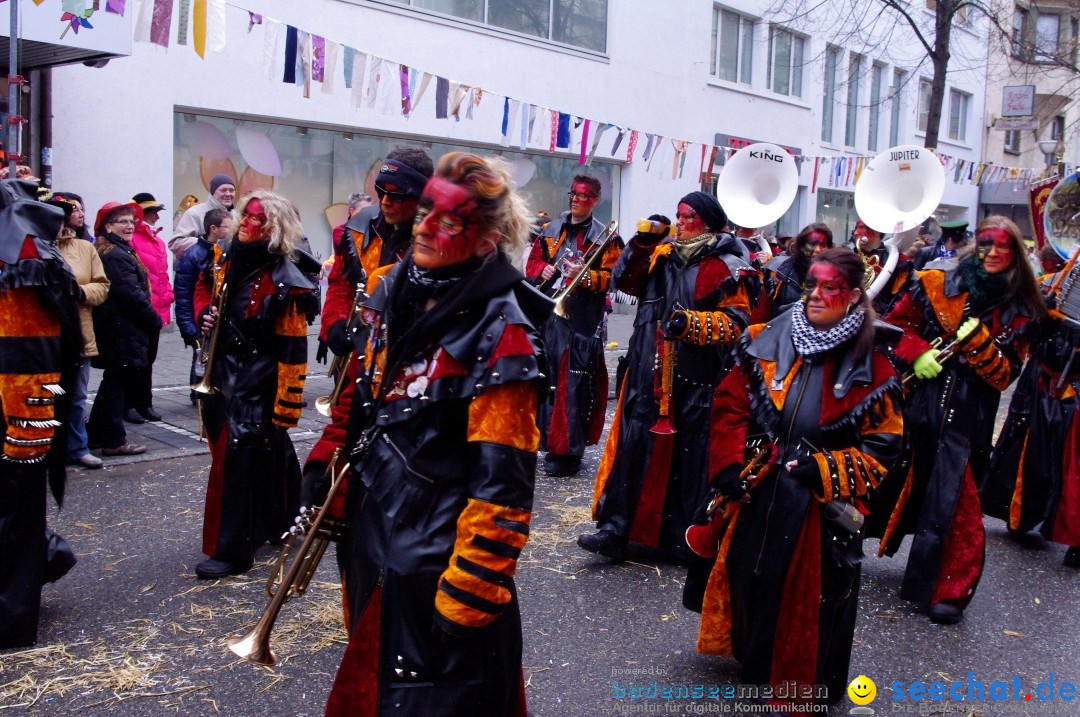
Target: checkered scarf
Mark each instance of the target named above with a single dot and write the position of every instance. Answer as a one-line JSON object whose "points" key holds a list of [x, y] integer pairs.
{"points": [[810, 341]]}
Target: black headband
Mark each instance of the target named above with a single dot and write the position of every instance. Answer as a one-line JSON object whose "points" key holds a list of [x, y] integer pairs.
{"points": [[405, 178]]}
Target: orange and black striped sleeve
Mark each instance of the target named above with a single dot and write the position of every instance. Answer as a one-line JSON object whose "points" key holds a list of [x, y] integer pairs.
{"points": [[290, 339], [990, 362], [494, 525], [29, 375], [598, 280]]}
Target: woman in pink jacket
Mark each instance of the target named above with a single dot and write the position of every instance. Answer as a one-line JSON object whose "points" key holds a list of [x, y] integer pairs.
{"points": [[150, 249]]}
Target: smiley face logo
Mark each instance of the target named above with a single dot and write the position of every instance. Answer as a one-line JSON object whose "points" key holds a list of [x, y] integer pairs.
{"points": [[862, 690]]}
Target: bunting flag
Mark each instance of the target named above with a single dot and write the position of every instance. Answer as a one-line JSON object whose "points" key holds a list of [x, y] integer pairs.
{"points": [[475, 94], [554, 130], [318, 58], [359, 71], [374, 78], [303, 62], [154, 22], [271, 38], [291, 43], [183, 20], [254, 19], [424, 82], [523, 142], [712, 165], [601, 127], [631, 146], [563, 138], [442, 98], [618, 141], [458, 94], [208, 26], [813, 182], [114, 6], [584, 141], [650, 142], [406, 91], [348, 55], [333, 50]]}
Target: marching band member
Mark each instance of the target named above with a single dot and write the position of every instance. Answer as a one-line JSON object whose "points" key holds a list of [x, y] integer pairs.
{"points": [[442, 433], [982, 305], [258, 367], [573, 414], [40, 339], [783, 276], [781, 597], [868, 243], [374, 236], [1034, 479], [693, 296]]}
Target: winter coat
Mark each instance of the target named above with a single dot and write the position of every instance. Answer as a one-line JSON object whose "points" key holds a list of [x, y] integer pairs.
{"points": [[124, 322], [188, 268], [85, 265], [151, 251], [190, 226]]}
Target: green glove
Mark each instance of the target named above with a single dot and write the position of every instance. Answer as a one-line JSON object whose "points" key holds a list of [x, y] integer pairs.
{"points": [[926, 365], [967, 328]]}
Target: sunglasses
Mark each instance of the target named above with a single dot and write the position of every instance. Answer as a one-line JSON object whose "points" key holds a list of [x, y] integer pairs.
{"points": [[393, 196], [580, 197]]}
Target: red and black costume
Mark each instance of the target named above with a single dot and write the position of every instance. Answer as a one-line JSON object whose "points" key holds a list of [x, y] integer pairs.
{"points": [[781, 596], [950, 423], [1034, 477], [573, 415], [259, 368], [644, 495], [896, 286], [40, 346], [442, 437]]}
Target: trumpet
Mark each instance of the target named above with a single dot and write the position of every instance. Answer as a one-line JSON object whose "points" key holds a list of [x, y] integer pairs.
{"points": [[205, 358], [602, 242], [325, 404], [317, 531], [943, 355]]}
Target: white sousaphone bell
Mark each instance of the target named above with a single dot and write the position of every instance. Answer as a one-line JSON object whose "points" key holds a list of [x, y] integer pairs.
{"points": [[758, 184], [895, 193], [899, 189]]}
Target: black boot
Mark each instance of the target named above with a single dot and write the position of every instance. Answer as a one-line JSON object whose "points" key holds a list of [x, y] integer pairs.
{"points": [[132, 416], [945, 613], [1072, 557], [605, 543]]}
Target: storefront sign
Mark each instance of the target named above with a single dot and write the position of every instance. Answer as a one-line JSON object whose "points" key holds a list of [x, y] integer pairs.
{"points": [[1005, 125], [73, 26], [1018, 101]]}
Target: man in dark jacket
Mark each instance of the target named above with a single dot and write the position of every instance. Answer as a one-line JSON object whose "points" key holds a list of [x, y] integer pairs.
{"points": [[217, 226]]}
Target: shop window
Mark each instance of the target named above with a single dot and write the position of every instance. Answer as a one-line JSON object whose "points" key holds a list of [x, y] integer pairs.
{"points": [[732, 46], [785, 69]]}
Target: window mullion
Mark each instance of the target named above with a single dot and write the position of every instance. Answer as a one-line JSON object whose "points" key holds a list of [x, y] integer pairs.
{"points": [[551, 20]]}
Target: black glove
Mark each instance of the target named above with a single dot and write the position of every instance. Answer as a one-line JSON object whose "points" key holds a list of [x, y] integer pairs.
{"points": [[314, 485], [728, 483], [189, 340], [338, 340], [676, 325], [806, 472], [320, 353]]}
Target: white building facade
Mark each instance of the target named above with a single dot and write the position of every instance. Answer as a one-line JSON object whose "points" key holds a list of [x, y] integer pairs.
{"points": [[165, 121]]}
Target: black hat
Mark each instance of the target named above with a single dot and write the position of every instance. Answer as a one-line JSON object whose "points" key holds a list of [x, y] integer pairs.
{"points": [[147, 202], [707, 208], [220, 179], [955, 232]]}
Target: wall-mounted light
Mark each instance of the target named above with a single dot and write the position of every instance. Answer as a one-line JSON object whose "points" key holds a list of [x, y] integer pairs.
{"points": [[348, 136], [301, 131], [188, 117]]}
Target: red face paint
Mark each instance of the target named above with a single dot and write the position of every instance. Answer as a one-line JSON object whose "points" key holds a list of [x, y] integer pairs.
{"points": [[867, 238], [816, 243], [994, 248], [253, 227], [397, 206], [826, 294], [582, 200], [687, 223], [445, 231]]}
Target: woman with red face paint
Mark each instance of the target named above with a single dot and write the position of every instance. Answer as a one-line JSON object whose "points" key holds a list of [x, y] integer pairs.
{"points": [[783, 276], [442, 437], [259, 366], [1034, 476], [983, 306], [817, 382], [693, 303]]}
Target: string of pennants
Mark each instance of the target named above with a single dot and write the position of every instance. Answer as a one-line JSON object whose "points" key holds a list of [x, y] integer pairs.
{"points": [[393, 88]]}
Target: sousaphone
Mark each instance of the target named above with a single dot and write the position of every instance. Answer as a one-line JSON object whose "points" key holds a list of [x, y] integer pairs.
{"points": [[895, 194], [757, 186]]}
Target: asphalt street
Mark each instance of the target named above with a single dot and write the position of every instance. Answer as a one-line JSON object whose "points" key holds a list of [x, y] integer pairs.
{"points": [[131, 631]]}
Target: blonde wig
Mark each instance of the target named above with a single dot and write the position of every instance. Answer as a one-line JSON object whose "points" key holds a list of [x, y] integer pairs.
{"points": [[282, 221]]}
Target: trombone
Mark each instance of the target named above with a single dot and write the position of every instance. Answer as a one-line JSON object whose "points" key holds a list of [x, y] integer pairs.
{"points": [[318, 531], [338, 367], [602, 242]]}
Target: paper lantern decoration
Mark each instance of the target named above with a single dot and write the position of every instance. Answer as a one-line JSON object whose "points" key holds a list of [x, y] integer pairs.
{"points": [[522, 171], [209, 168], [258, 151], [252, 180], [208, 141], [337, 214]]}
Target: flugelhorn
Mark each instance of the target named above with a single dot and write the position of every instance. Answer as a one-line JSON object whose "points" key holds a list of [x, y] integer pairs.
{"points": [[340, 364], [318, 531], [206, 349], [601, 242]]}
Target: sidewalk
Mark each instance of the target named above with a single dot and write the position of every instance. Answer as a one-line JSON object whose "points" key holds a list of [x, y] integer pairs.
{"points": [[177, 434]]}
